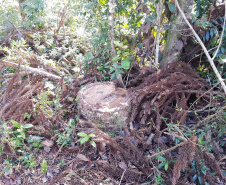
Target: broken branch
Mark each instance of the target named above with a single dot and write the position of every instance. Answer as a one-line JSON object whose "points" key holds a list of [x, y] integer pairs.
{"points": [[31, 69]]}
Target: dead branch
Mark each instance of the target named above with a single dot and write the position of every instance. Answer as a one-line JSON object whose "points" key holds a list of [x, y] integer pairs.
{"points": [[203, 46], [31, 69], [168, 150], [209, 118]]}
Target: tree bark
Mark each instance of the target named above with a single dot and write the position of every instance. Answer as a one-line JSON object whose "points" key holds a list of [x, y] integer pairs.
{"points": [[21, 9], [171, 54], [111, 17], [112, 5]]}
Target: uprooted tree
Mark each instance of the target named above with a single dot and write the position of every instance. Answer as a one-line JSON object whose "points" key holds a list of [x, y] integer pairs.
{"points": [[161, 119]]}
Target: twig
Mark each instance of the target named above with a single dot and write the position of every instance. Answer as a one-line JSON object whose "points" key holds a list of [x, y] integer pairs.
{"points": [[175, 135], [203, 46], [168, 150], [56, 179], [57, 153], [196, 101], [122, 176], [200, 123]]}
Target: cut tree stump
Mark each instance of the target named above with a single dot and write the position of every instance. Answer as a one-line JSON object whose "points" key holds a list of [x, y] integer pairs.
{"points": [[105, 105]]}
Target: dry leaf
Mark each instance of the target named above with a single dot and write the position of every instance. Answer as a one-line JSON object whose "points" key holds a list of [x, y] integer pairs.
{"points": [[47, 142], [123, 165], [179, 45], [82, 157]]}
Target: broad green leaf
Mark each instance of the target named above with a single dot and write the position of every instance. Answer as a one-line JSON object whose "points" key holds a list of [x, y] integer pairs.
{"points": [[125, 64], [159, 157], [207, 35], [113, 77], [27, 165], [27, 126], [16, 124], [116, 72], [161, 165], [83, 140], [70, 98], [140, 45], [211, 33], [89, 56], [126, 53], [215, 21], [112, 70], [91, 135], [194, 178], [171, 6], [82, 134], [166, 166], [93, 144], [160, 56], [200, 179], [115, 59]]}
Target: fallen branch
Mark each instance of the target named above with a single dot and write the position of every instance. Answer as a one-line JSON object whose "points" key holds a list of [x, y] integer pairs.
{"points": [[203, 46], [209, 118], [31, 69], [168, 150]]}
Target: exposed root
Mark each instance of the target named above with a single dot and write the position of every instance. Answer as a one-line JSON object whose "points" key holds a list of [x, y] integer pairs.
{"points": [[164, 96]]}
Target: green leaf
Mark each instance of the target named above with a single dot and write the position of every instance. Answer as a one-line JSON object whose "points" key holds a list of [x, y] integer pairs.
{"points": [[115, 59], [171, 6], [125, 64], [126, 53], [161, 165], [82, 134], [194, 178], [113, 77], [91, 135], [83, 140], [16, 124], [112, 70], [166, 166], [89, 56], [116, 73], [200, 179], [140, 45], [27, 165], [159, 157], [93, 144], [27, 126], [207, 35], [160, 56], [215, 21], [211, 33], [70, 98]]}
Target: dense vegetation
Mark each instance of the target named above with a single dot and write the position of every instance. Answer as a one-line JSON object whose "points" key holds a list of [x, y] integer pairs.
{"points": [[51, 49]]}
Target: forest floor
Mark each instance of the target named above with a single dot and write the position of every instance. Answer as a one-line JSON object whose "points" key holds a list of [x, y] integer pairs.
{"points": [[175, 135]]}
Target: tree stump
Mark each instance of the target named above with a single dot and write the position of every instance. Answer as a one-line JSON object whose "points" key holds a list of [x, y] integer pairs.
{"points": [[105, 105]]}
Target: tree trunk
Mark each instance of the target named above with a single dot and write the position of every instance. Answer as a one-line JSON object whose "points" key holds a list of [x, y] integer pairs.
{"points": [[111, 17], [112, 5], [172, 53], [21, 9]]}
